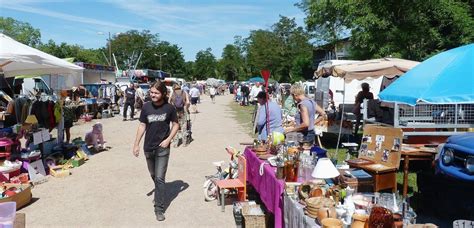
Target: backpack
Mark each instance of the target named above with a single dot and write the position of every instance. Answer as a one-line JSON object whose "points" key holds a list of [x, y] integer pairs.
{"points": [[178, 100]]}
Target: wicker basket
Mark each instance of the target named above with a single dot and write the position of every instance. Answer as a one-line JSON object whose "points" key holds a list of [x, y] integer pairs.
{"points": [[253, 221]]}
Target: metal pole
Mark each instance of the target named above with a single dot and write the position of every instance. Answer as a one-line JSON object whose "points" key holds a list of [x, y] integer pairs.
{"points": [[110, 51], [161, 55], [342, 118]]}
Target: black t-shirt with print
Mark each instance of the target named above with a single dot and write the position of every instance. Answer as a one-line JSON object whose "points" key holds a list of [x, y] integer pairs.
{"points": [[157, 120], [130, 94]]}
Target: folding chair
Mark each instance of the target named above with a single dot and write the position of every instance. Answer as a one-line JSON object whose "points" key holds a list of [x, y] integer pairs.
{"points": [[240, 183]]}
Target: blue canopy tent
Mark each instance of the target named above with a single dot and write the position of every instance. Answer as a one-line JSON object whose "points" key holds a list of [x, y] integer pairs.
{"points": [[256, 79], [446, 78]]}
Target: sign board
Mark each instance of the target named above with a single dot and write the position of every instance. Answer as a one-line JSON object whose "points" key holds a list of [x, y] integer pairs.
{"points": [[380, 149]]}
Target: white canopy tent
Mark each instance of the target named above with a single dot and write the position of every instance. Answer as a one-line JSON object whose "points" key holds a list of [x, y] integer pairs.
{"points": [[19, 59]]}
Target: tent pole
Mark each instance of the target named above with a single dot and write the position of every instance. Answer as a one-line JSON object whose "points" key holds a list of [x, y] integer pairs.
{"points": [[342, 117]]}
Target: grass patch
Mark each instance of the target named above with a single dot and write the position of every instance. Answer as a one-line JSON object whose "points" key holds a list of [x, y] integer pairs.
{"points": [[243, 115]]}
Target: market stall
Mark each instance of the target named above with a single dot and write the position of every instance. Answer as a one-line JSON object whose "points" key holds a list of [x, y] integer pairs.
{"points": [[302, 188], [28, 152], [360, 70]]}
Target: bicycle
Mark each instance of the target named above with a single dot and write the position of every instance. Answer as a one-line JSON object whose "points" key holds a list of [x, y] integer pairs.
{"points": [[231, 172]]}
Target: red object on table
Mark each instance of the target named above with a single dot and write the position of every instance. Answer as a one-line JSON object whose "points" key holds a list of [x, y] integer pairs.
{"points": [[267, 185]]}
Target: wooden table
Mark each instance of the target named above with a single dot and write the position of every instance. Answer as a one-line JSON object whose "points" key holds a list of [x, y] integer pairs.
{"points": [[418, 154]]}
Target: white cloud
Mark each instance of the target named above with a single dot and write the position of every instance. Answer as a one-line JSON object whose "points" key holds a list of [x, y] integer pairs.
{"points": [[23, 8], [192, 20]]}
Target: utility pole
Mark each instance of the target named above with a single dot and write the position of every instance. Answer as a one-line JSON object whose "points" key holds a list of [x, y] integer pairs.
{"points": [[160, 55]]}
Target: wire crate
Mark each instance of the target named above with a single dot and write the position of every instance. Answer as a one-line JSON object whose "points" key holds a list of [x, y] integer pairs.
{"points": [[253, 220], [446, 117]]}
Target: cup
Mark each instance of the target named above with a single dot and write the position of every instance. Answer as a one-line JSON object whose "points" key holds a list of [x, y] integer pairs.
{"points": [[326, 212]]}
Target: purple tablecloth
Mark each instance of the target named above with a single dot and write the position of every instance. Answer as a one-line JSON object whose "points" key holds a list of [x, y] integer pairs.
{"points": [[268, 186]]}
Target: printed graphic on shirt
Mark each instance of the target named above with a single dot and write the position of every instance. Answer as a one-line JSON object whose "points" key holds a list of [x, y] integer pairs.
{"points": [[156, 118]]}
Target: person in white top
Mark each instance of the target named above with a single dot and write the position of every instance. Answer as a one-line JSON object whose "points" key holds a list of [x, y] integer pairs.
{"points": [[194, 94], [254, 92], [212, 93]]}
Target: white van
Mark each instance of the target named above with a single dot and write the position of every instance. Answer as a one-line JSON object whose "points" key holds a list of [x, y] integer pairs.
{"points": [[31, 85], [309, 89]]}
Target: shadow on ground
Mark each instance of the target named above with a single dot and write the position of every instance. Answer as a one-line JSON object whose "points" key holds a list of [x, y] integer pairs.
{"points": [[172, 191]]}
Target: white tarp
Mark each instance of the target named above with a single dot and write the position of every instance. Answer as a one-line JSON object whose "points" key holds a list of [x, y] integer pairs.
{"points": [[19, 59], [388, 67]]}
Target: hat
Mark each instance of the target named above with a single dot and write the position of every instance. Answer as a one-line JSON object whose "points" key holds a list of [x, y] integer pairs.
{"points": [[365, 85], [262, 95]]}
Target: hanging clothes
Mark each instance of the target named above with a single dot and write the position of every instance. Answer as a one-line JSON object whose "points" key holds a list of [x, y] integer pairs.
{"points": [[19, 102], [51, 119], [57, 112]]}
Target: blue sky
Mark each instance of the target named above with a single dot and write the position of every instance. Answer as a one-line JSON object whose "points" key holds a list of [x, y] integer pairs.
{"points": [[192, 25]]}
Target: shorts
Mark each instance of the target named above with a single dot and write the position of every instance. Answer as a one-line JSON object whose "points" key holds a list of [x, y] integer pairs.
{"points": [[212, 96], [194, 100], [68, 123]]}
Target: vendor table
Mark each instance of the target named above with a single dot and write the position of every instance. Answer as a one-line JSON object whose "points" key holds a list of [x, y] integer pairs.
{"points": [[267, 185], [294, 214], [413, 155]]}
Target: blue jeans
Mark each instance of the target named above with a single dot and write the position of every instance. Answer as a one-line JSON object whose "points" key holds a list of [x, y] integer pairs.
{"points": [[309, 136], [157, 162]]}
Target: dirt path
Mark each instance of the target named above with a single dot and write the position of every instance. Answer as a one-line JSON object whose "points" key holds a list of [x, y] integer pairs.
{"points": [[113, 188]]}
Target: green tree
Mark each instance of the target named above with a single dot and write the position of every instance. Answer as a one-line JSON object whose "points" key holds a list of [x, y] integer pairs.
{"points": [[232, 63], [264, 52], [188, 71], [128, 46], [205, 65], [172, 62], [20, 31], [285, 51], [65, 50], [407, 29], [296, 50]]}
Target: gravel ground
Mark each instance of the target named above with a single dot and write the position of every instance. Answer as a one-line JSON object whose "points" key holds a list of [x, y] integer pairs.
{"points": [[113, 188]]}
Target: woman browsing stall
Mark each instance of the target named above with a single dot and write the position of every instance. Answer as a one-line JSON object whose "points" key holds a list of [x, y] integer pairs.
{"points": [[305, 116]]}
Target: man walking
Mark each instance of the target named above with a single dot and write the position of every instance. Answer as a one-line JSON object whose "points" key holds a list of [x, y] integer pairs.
{"points": [[155, 119], [179, 99], [129, 101], [245, 94], [195, 94]]}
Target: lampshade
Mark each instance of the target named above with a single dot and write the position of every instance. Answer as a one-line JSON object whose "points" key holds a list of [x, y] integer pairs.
{"points": [[325, 169], [31, 119]]}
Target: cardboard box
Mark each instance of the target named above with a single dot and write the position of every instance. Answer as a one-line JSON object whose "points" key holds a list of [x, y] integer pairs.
{"points": [[22, 198], [59, 171]]}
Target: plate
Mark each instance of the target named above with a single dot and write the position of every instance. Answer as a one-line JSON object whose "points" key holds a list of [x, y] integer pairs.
{"points": [[272, 160]]}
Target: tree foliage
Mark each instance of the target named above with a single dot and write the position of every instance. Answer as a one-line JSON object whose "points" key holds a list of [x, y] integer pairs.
{"points": [[232, 63], [400, 28], [79, 53], [205, 65], [21, 31], [285, 50]]}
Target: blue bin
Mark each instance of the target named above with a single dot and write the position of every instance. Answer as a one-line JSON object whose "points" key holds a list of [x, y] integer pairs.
{"points": [[320, 152]]}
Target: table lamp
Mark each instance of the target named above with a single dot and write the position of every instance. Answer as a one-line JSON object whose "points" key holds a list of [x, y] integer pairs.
{"points": [[31, 119], [325, 169]]}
